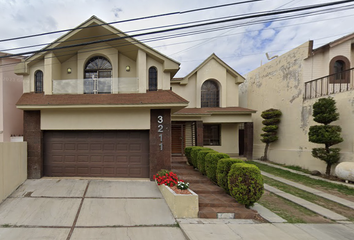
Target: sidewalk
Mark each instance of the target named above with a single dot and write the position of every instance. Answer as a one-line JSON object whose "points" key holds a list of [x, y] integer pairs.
{"points": [[233, 229]]}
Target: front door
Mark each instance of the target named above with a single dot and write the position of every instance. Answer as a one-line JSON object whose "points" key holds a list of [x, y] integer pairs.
{"points": [[178, 139]]}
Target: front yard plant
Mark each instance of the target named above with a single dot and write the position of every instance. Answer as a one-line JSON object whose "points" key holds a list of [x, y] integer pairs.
{"points": [[325, 112], [211, 163], [222, 172], [271, 120], [245, 183]]}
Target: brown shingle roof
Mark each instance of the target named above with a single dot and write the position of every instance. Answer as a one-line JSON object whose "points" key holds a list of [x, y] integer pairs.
{"points": [[156, 97], [216, 110]]}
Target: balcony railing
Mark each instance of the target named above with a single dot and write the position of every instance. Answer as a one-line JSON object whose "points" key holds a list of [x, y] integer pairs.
{"points": [[334, 83], [96, 86]]}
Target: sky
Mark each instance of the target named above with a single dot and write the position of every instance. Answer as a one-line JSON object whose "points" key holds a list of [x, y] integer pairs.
{"points": [[242, 44]]}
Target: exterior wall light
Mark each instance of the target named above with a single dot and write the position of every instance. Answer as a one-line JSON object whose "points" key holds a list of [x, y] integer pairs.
{"points": [[127, 68], [69, 70]]}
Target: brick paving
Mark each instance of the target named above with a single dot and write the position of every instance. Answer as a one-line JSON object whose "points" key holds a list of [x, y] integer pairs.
{"points": [[213, 200]]}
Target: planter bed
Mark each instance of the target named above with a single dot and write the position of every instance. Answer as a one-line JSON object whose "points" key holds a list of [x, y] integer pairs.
{"points": [[181, 205]]}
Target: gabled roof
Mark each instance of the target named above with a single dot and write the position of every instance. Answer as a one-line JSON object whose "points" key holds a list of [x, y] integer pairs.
{"points": [[96, 31], [335, 42], [230, 70]]}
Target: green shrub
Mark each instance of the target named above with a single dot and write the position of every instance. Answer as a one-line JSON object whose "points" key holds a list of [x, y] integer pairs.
{"points": [[211, 163], [201, 159], [187, 153], [245, 183], [222, 171], [194, 155]]}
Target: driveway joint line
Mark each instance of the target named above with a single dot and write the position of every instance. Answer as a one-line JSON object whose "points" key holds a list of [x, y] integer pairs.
{"points": [[78, 211]]}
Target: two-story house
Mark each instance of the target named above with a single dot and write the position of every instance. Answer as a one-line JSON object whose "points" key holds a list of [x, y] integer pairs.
{"points": [[293, 82], [11, 118], [99, 103]]}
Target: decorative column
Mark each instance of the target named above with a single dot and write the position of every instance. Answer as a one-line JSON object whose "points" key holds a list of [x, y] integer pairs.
{"points": [[33, 135], [249, 140], [199, 133], [160, 140]]}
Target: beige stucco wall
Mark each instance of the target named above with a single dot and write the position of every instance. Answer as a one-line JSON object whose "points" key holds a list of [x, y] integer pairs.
{"points": [[11, 118], [98, 119], [212, 70], [280, 84], [13, 167], [229, 140], [28, 80]]}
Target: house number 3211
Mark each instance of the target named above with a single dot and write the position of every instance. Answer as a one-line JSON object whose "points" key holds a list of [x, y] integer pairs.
{"points": [[160, 130]]}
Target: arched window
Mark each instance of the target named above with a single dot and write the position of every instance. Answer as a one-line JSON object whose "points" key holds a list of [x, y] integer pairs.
{"points": [[152, 79], [210, 94], [98, 72], [38, 81], [339, 70]]}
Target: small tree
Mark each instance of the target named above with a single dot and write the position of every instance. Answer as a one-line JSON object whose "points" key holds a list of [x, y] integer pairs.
{"points": [[325, 112], [271, 120]]}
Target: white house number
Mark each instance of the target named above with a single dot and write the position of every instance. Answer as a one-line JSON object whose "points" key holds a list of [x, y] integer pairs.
{"points": [[160, 130]]}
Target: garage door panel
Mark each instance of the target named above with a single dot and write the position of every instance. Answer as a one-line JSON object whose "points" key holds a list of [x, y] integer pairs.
{"points": [[96, 153]]}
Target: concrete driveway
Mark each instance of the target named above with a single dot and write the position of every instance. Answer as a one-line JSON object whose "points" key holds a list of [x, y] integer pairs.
{"points": [[87, 209]]}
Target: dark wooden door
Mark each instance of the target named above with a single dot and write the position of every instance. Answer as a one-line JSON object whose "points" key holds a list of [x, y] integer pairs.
{"points": [[178, 139]]}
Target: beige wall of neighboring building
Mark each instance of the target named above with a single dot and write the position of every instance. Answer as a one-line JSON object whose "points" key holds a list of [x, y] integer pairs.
{"points": [[11, 118], [280, 84], [13, 167], [95, 119]]}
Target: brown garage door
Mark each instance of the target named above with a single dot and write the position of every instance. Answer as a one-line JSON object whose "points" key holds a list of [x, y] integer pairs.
{"points": [[96, 153]]}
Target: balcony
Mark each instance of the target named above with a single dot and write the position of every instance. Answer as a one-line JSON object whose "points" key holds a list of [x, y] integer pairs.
{"points": [[331, 84], [96, 86]]}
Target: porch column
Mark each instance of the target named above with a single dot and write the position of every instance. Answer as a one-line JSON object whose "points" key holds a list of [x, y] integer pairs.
{"points": [[199, 134], [33, 135], [248, 140]]}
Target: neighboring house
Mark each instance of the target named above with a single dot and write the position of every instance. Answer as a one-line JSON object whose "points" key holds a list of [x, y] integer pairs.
{"points": [[213, 117], [11, 118], [104, 109], [293, 82]]}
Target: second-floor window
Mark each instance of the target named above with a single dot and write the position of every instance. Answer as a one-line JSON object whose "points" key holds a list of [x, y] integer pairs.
{"points": [[339, 70], [38, 81], [210, 94], [98, 72], [152, 79]]}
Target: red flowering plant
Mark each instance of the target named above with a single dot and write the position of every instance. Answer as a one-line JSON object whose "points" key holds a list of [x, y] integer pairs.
{"points": [[170, 179], [166, 177]]}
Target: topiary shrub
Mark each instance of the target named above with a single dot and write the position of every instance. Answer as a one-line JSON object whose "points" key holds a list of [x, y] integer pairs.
{"points": [[325, 112], [201, 159], [271, 120], [222, 172], [211, 163], [194, 155], [245, 183], [187, 153]]}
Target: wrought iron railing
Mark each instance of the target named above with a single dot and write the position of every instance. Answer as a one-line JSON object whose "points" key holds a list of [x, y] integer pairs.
{"points": [[96, 86], [334, 83]]}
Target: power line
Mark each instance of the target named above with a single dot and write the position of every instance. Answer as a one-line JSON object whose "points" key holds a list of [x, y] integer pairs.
{"points": [[248, 16], [132, 19]]}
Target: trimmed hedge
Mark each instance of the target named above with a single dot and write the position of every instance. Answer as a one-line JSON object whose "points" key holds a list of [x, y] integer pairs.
{"points": [[194, 155], [222, 171], [245, 183], [201, 159], [187, 152], [211, 163]]}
